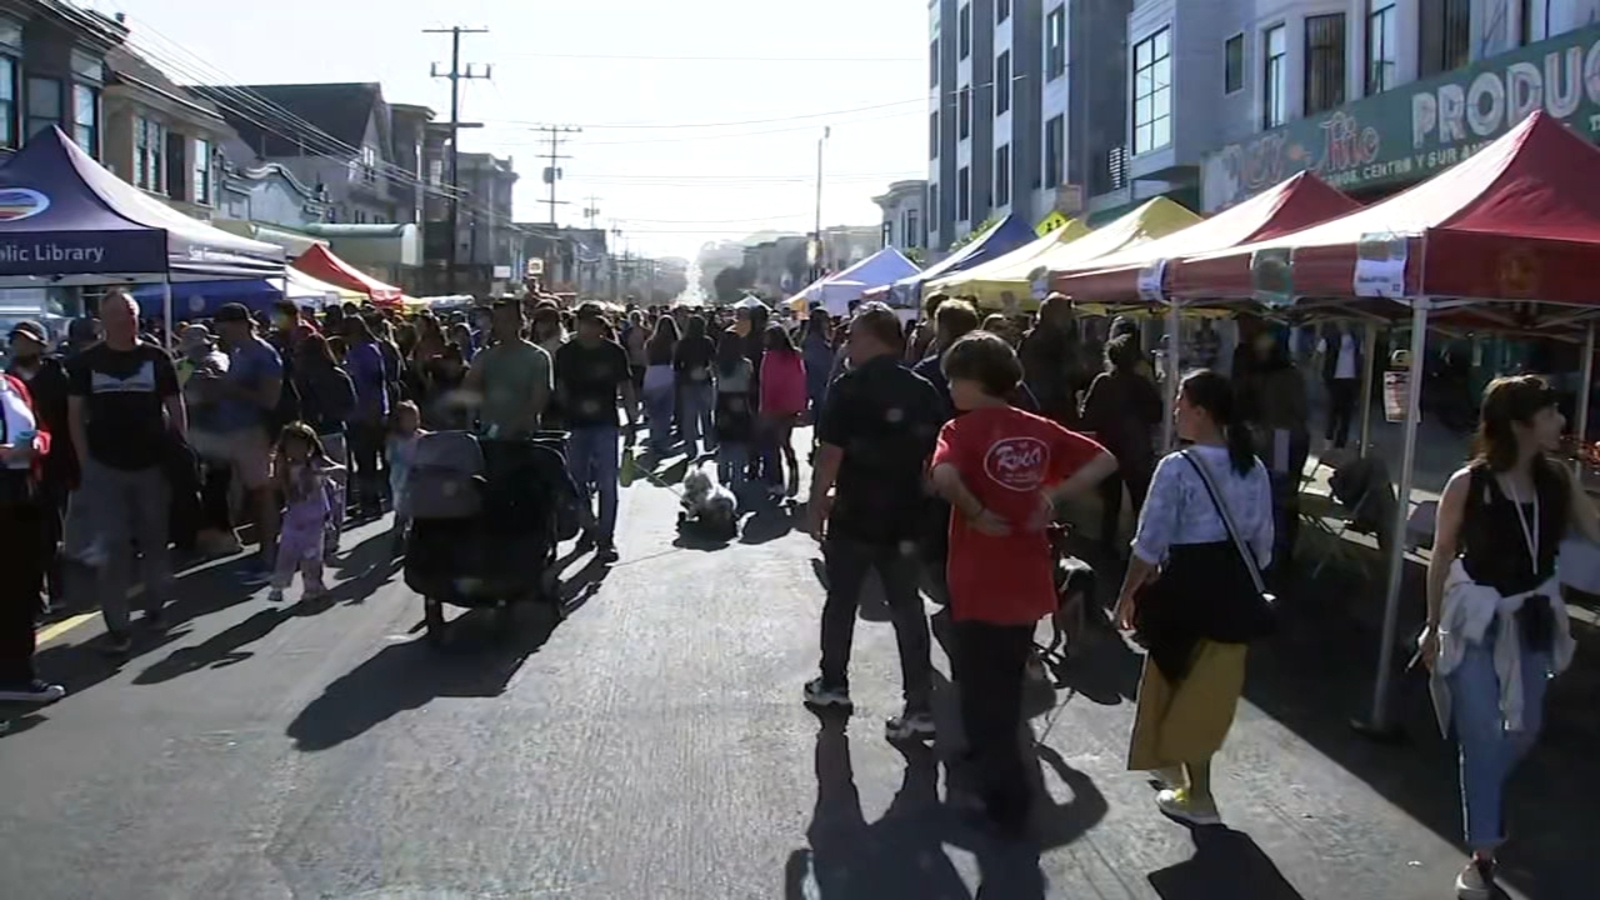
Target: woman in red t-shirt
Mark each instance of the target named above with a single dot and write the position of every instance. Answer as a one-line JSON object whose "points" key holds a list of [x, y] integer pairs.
{"points": [[1003, 471]]}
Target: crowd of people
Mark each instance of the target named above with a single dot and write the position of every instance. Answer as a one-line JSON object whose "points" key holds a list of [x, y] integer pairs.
{"points": [[943, 451]]}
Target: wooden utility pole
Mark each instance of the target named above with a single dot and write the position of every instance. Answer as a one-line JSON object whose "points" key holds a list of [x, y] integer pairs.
{"points": [[456, 76]]}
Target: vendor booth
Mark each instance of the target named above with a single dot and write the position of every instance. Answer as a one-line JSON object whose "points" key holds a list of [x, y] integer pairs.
{"points": [[1006, 235], [65, 220], [320, 263], [836, 292], [982, 279], [201, 299]]}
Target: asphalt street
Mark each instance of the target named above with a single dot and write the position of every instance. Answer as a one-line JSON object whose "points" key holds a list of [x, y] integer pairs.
{"points": [[652, 745]]}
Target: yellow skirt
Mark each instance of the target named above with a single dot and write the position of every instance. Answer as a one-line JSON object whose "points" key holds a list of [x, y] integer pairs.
{"points": [[1187, 722]]}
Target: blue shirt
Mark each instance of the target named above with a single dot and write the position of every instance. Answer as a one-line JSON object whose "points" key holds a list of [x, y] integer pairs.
{"points": [[250, 364]]}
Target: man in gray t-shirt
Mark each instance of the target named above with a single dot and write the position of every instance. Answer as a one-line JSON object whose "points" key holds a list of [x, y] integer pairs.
{"points": [[513, 378]]}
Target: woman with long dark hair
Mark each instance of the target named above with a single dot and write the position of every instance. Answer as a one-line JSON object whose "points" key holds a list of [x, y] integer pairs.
{"points": [[1497, 629], [694, 363], [1193, 594], [783, 399], [365, 363], [1120, 409], [660, 384]]}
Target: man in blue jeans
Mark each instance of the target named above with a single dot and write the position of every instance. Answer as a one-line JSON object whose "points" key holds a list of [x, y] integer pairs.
{"points": [[591, 376]]}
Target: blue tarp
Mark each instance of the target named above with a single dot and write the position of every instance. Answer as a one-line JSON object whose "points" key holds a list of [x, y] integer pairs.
{"points": [[1012, 232], [63, 214], [200, 299]]}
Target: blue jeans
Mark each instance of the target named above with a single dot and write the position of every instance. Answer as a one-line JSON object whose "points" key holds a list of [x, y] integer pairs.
{"points": [[1489, 753], [658, 405], [698, 403], [592, 460], [733, 458]]}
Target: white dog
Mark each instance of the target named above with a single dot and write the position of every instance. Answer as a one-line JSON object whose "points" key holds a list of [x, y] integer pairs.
{"points": [[707, 505]]}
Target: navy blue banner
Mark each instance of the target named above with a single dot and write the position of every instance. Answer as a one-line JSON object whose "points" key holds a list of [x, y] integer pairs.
{"points": [[83, 253]]}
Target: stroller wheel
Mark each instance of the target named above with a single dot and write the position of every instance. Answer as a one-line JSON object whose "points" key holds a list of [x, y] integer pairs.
{"points": [[433, 618]]}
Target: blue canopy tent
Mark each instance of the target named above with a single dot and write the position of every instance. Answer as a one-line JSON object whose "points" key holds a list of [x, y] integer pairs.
{"points": [[1006, 235], [202, 299], [66, 220]]}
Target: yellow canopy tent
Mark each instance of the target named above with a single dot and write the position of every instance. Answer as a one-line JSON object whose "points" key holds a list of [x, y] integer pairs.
{"points": [[305, 289], [1024, 278], [978, 280]]}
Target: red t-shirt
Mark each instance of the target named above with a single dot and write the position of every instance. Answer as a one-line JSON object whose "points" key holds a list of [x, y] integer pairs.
{"points": [[1006, 458]]}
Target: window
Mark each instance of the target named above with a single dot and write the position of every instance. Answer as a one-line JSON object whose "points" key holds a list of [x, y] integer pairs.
{"points": [[44, 104], [1055, 43], [933, 135], [963, 194], [1532, 29], [1274, 77], [202, 171], [1233, 65], [1445, 36], [369, 165], [1002, 176], [1002, 11], [1152, 92], [1382, 46], [964, 113], [912, 232], [149, 152], [964, 32], [86, 119], [8, 101], [933, 63], [933, 207], [436, 172], [1055, 145], [1324, 62], [1002, 84]]}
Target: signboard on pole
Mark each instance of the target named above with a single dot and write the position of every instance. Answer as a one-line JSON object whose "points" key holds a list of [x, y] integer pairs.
{"points": [[1396, 394], [1152, 280]]}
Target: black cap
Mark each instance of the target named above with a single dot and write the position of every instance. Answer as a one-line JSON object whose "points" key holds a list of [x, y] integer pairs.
{"points": [[31, 330], [591, 311], [83, 331], [233, 312]]}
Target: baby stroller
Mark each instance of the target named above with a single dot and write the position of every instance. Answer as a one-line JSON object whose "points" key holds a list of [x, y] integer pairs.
{"points": [[487, 517]]}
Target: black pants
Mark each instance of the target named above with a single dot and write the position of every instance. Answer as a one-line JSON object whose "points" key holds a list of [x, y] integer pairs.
{"points": [[21, 528], [366, 448], [1341, 409], [215, 514], [992, 663], [1138, 483], [848, 563]]}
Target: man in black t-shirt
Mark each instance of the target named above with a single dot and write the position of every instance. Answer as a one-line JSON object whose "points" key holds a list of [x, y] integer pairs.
{"points": [[868, 506], [591, 374], [123, 408]]}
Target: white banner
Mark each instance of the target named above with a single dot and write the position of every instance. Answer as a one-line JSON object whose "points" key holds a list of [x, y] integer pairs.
{"points": [[1152, 279], [1381, 266]]}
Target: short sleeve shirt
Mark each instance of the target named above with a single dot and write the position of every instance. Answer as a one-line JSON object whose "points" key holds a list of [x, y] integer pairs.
{"points": [[250, 364], [886, 419], [1006, 458], [589, 380], [512, 373], [124, 392]]}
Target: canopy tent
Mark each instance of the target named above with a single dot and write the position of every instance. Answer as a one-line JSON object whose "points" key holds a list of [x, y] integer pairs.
{"points": [[308, 291], [1296, 203], [1154, 219], [1518, 220], [201, 299], [67, 220], [320, 263], [1001, 238], [836, 292], [973, 281]]}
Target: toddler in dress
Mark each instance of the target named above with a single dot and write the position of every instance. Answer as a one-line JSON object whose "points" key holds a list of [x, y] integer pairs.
{"points": [[303, 473]]}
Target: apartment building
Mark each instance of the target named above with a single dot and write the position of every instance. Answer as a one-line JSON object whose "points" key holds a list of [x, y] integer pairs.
{"points": [[903, 215], [1373, 95]]}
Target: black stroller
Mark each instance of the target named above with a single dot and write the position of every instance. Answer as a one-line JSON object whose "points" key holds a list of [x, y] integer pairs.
{"points": [[487, 517]]}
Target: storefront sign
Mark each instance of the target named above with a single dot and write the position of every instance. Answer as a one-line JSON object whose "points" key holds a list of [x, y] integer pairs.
{"points": [[1151, 282], [1381, 266], [1272, 276], [1405, 135], [1396, 394]]}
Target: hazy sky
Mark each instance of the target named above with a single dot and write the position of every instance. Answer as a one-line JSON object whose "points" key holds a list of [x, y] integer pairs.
{"points": [[643, 79]]}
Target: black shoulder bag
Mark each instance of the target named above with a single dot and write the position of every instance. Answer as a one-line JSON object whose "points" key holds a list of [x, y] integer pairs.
{"points": [[1249, 617]]}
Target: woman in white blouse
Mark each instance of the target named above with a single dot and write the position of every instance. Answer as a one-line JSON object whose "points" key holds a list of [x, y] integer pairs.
{"points": [[22, 524], [1193, 597]]}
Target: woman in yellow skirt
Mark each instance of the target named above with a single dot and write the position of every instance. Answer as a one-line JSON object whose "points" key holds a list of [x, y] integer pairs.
{"points": [[1193, 594]]}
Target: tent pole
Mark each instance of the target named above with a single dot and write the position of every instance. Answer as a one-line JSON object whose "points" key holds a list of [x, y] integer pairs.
{"points": [[1582, 411], [1379, 724], [1169, 436], [166, 310], [1369, 350]]}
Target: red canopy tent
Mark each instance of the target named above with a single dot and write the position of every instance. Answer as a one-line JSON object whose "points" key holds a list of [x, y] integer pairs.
{"points": [[319, 263], [1302, 200], [1518, 220]]}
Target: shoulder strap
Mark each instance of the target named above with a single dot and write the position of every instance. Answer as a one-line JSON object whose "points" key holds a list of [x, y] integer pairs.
{"points": [[1227, 520]]}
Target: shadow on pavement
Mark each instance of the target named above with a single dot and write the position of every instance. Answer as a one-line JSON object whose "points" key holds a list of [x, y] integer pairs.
{"points": [[480, 655], [772, 521], [1226, 863]]}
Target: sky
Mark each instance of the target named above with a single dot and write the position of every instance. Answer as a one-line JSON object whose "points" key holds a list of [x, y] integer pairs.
{"points": [[700, 118]]}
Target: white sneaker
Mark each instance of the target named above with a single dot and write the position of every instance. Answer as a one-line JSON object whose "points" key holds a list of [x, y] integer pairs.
{"points": [[34, 692], [915, 726], [1175, 802], [1476, 881]]}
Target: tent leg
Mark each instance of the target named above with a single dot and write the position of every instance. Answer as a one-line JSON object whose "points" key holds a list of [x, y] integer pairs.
{"points": [[1369, 350], [166, 312], [1169, 435], [1581, 412], [1378, 725]]}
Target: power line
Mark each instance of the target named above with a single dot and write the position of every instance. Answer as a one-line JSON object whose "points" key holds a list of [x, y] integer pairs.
{"points": [[552, 172], [758, 59], [787, 118], [456, 75]]}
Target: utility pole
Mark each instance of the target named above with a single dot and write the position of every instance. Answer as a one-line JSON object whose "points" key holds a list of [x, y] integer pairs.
{"points": [[552, 172], [821, 263], [456, 75], [592, 210]]}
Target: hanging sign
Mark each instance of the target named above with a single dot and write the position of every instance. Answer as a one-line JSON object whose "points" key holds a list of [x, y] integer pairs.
{"points": [[1272, 275], [1050, 223], [1381, 265], [1396, 394], [1152, 279]]}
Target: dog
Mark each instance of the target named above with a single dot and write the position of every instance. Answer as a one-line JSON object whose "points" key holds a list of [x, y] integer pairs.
{"points": [[1075, 584], [709, 508]]}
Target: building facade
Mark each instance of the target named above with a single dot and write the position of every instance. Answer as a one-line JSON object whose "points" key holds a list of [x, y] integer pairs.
{"points": [[161, 138], [53, 71], [1376, 95], [904, 226]]}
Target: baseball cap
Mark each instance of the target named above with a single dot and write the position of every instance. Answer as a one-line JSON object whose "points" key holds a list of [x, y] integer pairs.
{"points": [[591, 311], [31, 330], [232, 312], [83, 331]]}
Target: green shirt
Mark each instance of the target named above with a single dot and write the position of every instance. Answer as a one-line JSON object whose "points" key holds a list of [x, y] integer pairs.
{"points": [[511, 373]]}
